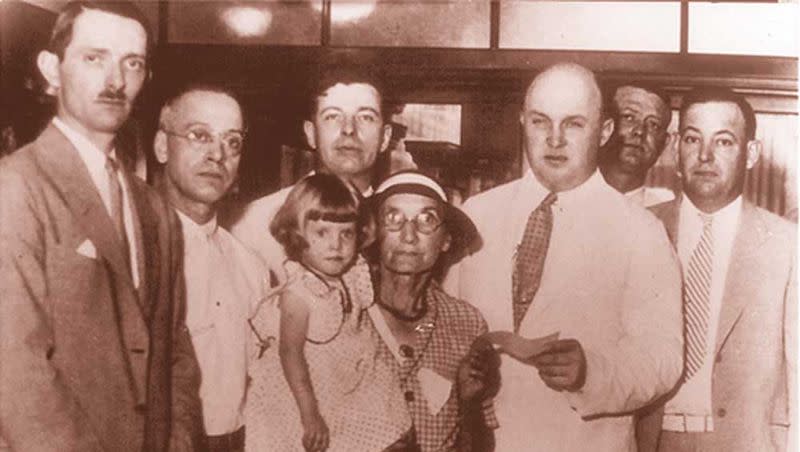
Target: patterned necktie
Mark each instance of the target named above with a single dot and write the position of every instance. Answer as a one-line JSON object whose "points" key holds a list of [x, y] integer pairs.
{"points": [[530, 258], [696, 296], [115, 190]]}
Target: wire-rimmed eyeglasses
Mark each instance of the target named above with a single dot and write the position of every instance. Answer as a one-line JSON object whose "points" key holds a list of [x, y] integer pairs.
{"points": [[426, 222], [232, 140]]}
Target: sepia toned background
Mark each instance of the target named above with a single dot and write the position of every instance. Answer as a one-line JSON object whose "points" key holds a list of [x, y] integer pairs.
{"points": [[457, 71]]}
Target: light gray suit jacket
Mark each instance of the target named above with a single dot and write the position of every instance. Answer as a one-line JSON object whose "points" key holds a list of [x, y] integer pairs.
{"points": [[753, 389], [88, 361]]}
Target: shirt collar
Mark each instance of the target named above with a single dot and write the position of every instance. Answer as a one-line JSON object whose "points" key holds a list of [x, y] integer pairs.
{"points": [[197, 230], [532, 186], [86, 148], [726, 215]]}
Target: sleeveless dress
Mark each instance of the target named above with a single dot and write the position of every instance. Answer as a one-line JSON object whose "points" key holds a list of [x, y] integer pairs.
{"points": [[358, 394]]}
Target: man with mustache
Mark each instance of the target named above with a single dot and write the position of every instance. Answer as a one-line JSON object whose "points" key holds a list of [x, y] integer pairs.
{"points": [[563, 252], [641, 116], [740, 292], [94, 351], [347, 128], [200, 141]]}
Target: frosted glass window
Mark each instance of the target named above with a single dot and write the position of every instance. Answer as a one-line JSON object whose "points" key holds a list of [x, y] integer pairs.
{"points": [[431, 122], [411, 23], [743, 28], [625, 26], [274, 22]]}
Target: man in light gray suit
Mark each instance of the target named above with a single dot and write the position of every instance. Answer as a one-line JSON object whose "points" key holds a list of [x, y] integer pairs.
{"points": [[737, 392]]}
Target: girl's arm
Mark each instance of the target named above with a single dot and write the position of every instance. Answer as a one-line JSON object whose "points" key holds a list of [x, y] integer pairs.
{"points": [[293, 330]]}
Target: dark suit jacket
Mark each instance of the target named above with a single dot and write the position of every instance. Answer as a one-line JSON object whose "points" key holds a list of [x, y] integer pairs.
{"points": [[753, 389], [87, 361]]}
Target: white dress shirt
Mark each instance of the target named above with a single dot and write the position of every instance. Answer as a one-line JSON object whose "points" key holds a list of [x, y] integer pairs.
{"points": [[95, 160], [694, 396], [610, 280], [224, 284], [650, 196]]}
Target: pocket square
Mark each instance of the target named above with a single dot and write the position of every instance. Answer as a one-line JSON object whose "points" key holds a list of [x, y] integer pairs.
{"points": [[87, 249]]}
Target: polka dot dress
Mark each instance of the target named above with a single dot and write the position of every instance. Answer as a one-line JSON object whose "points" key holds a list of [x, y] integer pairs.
{"points": [[358, 395]]}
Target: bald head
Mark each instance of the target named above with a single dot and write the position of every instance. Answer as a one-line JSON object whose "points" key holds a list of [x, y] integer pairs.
{"points": [[563, 122]]}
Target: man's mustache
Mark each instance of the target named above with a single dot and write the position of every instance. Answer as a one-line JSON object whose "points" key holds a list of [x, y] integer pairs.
{"points": [[113, 95]]}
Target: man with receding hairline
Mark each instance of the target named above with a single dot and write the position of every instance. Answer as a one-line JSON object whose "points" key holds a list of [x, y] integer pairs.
{"points": [[563, 252], [738, 391], [94, 352], [641, 115]]}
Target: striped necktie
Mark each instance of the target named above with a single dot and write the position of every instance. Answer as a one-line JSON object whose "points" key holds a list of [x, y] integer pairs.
{"points": [[530, 257], [696, 296]]}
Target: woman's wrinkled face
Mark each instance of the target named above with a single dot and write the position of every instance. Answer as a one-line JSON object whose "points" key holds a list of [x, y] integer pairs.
{"points": [[411, 233]]}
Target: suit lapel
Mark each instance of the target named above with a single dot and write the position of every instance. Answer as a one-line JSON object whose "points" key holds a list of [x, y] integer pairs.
{"points": [[738, 290], [61, 161]]}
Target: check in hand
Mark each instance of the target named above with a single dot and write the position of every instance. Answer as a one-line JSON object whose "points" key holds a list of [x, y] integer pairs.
{"points": [[562, 365]]}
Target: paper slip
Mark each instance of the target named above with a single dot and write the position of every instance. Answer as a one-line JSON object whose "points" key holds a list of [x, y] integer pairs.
{"points": [[518, 346]]}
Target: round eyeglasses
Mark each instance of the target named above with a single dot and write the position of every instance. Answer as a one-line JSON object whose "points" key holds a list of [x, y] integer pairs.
{"points": [[426, 222], [232, 140]]}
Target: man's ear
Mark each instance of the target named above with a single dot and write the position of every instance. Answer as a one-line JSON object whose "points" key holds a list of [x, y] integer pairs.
{"points": [[310, 130], [387, 136], [160, 147], [48, 62], [606, 130], [753, 152]]}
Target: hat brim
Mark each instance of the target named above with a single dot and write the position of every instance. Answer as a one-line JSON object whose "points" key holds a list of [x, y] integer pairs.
{"points": [[464, 235]]}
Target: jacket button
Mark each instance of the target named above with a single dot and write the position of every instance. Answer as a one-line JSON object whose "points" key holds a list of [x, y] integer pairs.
{"points": [[140, 408], [138, 351], [721, 412]]}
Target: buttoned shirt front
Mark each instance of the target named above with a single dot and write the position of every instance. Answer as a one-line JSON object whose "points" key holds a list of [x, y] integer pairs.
{"points": [[95, 160], [694, 396], [224, 284], [610, 280]]}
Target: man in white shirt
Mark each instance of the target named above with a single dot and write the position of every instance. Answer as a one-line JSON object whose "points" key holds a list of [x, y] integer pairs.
{"points": [[737, 392], [563, 252], [347, 127], [641, 115], [199, 142], [94, 350]]}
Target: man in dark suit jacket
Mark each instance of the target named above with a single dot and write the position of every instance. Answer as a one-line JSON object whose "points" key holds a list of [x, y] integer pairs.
{"points": [[740, 293], [94, 353]]}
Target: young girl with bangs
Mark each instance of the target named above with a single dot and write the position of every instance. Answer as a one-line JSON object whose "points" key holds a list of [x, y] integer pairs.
{"points": [[324, 388]]}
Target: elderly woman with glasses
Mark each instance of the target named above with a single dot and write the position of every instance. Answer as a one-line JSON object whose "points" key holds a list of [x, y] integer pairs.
{"points": [[430, 338]]}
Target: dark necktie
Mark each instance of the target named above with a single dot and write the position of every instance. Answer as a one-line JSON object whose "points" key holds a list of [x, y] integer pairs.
{"points": [[696, 298], [115, 191], [530, 258]]}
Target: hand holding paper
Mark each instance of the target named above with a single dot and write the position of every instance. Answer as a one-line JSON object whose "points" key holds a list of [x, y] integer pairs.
{"points": [[517, 346]]}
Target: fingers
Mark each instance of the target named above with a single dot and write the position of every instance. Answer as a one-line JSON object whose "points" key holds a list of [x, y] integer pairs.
{"points": [[561, 346], [316, 441]]}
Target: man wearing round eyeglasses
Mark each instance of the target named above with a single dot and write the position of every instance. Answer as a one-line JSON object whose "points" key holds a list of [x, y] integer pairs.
{"points": [[199, 141], [347, 128], [641, 117]]}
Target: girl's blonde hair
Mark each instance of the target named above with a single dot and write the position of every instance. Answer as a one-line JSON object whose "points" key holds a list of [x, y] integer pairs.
{"points": [[316, 197]]}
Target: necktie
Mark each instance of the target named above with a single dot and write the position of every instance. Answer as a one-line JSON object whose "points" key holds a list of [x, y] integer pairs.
{"points": [[697, 287], [115, 190], [530, 258]]}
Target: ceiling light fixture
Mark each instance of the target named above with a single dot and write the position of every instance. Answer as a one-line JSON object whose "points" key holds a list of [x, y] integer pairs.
{"points": [[247, 21]]}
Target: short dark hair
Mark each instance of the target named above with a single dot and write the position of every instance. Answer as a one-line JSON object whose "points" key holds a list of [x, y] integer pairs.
{"points": [[610, 92], [61, 35], [328, 77], [198, 86], [316, 197], [702, 95]]}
